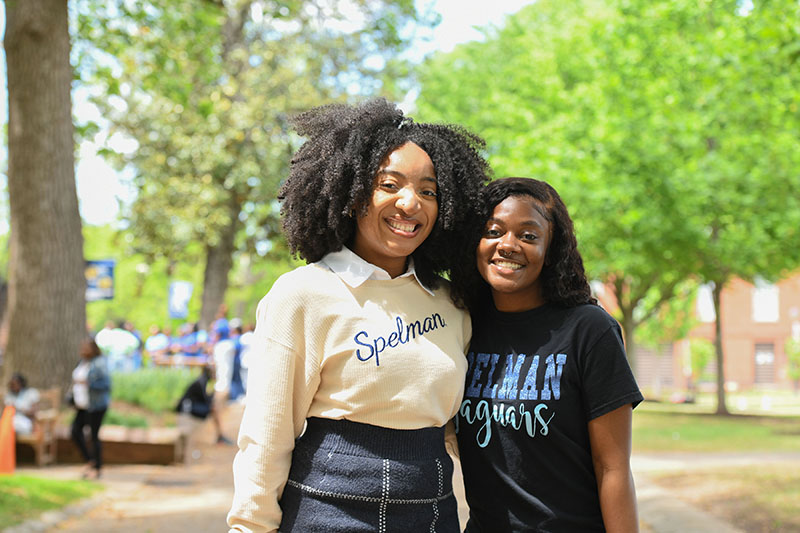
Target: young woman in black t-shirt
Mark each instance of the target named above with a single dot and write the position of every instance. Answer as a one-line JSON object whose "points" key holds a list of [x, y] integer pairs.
{"points": [[544, 429]]}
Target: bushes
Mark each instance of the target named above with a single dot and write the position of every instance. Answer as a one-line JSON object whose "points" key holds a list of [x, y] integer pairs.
{"points": [[116, 418], [155, 389]]}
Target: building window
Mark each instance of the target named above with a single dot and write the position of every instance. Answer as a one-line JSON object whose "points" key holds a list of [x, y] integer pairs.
{"points": [[765, 363], [705, 304], [765, 302]]}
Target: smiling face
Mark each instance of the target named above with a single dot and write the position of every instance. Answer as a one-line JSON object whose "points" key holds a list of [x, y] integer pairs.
{"points": [[511, 253], [402, 211]]}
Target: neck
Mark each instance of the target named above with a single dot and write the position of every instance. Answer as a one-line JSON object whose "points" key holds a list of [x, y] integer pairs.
{"points": [[516, 303], [396, 268]]}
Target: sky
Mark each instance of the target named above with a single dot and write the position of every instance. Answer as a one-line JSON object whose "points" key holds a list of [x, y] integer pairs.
{"points": [[101, 188]]}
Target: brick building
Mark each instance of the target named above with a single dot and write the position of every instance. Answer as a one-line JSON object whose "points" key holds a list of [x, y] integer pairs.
{"points": [[757, 320]]}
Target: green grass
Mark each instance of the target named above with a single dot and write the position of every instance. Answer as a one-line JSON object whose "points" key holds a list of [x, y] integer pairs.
{"points": [[24, 497], [659, 427], [751, 402]]}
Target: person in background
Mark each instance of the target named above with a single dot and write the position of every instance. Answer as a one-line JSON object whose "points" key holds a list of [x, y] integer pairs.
{"points": [[191, 341], [544, 430], [220, 323], [246, 343], [361, 351], [199, 404], [91, 395], [119, 345], [223, 354], [25, 400], [156, 346], [136, 354], [237, 385]]}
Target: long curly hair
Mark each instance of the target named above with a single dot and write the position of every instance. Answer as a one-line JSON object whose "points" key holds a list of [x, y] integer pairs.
{"points": [[563, 278], [332, 178]]}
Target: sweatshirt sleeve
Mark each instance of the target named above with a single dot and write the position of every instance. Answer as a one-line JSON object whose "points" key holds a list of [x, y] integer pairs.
{"points": [[282, 380]]}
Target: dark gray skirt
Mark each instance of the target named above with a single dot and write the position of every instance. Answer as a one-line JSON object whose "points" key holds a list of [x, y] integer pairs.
{"points": [[349, 477]]}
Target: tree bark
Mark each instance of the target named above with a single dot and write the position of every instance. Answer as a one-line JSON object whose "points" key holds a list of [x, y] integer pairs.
{"points": [[628, 328], [626, 307], [722, 408], [46, 300], [219, 260]]}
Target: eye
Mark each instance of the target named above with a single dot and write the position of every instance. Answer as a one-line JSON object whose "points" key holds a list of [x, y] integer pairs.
{"points": [[430, 193], [492, 233], [388, 185], [529, 237]]}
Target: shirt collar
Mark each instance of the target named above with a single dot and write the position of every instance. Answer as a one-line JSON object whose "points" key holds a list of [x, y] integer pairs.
{"points": [[354, 270]]}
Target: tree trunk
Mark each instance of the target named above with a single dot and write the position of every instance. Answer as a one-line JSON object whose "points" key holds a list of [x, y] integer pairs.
{"points": [[219, 260], [722, 409], [628, 328], [46, 300], [626, 307]]}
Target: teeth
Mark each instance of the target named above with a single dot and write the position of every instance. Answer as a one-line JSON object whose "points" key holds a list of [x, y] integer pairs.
{"points": [[508, 264], [402, 226]]}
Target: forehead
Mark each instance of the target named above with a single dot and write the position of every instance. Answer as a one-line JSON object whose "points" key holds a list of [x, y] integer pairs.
{"points": [[408, 158], [524, 210]]}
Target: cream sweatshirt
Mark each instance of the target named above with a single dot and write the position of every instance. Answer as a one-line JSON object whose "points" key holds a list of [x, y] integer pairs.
{"points": [[385, 352]]}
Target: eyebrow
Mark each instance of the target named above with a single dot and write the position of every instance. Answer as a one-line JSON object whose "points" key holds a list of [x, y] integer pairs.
{"points": [[399, 174], [530, 222]]}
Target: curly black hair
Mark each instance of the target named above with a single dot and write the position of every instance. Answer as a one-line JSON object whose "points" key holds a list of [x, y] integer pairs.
{"points": [[332, 178], [563, 277]]}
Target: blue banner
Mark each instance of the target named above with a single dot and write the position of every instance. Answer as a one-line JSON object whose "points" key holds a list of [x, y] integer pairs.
{"points": [[99, 280], [180, 292]]}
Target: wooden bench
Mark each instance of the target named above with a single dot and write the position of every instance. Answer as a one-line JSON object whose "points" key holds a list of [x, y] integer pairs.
{"points": [[43, 439]]}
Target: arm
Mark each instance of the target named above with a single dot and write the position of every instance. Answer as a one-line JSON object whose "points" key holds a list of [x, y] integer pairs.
{"points": [[450, 438], [282, 383], [610, 438], [99, 379]]}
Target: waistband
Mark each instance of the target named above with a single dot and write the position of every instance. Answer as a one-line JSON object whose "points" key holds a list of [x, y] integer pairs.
{"points": [[355, 438]]}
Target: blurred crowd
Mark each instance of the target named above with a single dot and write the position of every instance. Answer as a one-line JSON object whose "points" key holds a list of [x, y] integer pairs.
{"points": [[224, 346]]}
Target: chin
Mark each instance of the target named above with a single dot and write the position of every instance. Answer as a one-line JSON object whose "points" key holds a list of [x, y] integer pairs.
{"points": [[502, 286]]}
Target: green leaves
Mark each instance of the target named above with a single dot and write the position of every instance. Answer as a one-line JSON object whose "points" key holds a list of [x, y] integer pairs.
{"points": [[669, 128]]}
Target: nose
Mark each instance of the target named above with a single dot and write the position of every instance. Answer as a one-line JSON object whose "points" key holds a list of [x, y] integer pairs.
{"points": [[407, 201], [508, 244]]}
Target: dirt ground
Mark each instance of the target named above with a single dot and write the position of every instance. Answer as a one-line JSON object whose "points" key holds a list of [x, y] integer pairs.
{"points": [[740, 499]]}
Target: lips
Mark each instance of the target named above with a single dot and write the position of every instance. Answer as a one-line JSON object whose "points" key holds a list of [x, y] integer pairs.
{"points": [[506, 265]]}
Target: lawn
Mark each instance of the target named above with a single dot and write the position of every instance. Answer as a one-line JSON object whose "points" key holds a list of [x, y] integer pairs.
{"points": [[755, 498], [24, 497], [665, 428]]}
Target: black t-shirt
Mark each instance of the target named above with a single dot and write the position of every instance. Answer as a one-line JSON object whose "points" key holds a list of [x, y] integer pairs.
{"points": [[535, 380]]}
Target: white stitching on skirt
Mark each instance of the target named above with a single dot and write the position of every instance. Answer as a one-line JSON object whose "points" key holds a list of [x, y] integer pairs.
{"points": [[369, 499], [384, 497], [439, 493]]}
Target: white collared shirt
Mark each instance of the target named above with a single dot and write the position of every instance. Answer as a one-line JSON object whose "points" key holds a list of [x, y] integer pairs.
{"points": [[354, 270]]}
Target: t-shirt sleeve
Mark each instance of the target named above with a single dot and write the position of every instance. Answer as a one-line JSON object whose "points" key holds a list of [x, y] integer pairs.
{"points": [[282, 380], [608, 380]]}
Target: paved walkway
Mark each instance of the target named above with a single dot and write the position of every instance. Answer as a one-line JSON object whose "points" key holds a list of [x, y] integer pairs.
{"points": [[663, 511], [195, 497]]}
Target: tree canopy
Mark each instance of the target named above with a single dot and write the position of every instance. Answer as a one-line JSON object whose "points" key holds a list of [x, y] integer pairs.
{"points": [[207, 98], [668, 127]]}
